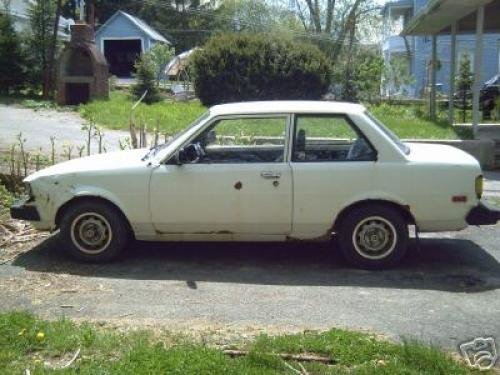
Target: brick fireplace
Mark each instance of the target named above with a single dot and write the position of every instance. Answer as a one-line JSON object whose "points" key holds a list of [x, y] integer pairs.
{"points": [[83, 71]]}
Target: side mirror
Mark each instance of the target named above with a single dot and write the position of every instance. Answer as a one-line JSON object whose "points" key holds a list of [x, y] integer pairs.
{"points": [[188, 155]]}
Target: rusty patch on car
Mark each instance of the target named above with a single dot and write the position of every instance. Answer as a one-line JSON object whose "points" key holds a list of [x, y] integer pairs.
{"points": [[238, 185]]}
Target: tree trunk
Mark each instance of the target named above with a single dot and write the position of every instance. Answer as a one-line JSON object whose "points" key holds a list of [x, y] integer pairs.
{"points": [[330, 9], [48, 79], [340, 40]]}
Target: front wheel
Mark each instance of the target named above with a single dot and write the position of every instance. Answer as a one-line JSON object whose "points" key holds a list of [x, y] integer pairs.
{"points": [[373, 236], [94, 231]]}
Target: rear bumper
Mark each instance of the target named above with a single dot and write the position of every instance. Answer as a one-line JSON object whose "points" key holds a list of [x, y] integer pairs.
{"points": [[22, 211], [483, 214]]}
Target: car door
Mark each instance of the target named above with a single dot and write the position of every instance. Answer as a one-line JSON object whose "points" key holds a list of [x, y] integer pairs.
{"points": [[332, 162], [241, 185]]}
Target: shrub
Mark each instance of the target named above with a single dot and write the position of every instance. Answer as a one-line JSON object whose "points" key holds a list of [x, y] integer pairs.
{"points": [[146, 79], [239, 67]]}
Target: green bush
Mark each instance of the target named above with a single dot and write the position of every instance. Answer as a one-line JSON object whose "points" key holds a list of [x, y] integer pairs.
{"points": [[146, 79], [240, 67]]}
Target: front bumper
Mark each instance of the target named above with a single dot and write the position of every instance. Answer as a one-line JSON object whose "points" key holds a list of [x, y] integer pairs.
{"points": [[21, 211], [483, 214]]}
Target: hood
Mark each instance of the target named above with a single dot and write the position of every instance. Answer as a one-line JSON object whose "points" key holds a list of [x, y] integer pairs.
{"points": [[440, 154], [93, 163]]}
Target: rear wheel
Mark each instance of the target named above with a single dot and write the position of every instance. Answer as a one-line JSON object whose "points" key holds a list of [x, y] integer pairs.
{"points": [[94, 231], [374, 236]]}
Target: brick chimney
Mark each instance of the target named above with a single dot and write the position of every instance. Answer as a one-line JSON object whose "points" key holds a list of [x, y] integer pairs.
{"points": [[82, 33]]}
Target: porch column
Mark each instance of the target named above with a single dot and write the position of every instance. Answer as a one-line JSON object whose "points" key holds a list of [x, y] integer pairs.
{"points": [[451, 85], [432, 103], [478, 57]]}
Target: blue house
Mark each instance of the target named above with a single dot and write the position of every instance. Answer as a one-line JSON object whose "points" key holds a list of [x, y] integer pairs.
{"points": [[397, 15], [122, 38]]}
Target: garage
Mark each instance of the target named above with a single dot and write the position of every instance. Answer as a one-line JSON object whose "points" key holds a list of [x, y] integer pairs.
{"points": [[122, 39], [121, 55]]}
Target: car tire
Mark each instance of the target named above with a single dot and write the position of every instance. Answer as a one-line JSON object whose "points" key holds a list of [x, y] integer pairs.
{"points": [[373, 236], [94, 231]]}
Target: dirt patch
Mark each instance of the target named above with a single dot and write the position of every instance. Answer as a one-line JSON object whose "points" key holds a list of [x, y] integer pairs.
{"points": [[17, 237]]}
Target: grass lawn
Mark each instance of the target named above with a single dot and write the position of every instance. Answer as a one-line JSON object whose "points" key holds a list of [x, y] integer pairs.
{"points": [[408, 122], [171, 117], [43, 347]]}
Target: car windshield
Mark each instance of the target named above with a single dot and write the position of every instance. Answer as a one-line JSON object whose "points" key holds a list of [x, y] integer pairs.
{"points": [[154, 150], [394, 138]]}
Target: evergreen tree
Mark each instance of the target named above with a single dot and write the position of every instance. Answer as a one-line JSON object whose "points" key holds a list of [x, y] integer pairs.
{"points": [[41, 15], [146, 79], [12, 68], [464, 82]]}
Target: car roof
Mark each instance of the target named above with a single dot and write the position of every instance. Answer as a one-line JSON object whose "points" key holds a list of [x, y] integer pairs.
{"points": [[288, 106]]}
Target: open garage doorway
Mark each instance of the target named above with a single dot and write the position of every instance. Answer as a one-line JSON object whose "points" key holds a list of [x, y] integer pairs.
{"points": [[121, 55]]}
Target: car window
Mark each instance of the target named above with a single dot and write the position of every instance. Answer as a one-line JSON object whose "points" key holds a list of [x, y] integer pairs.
{"points": [[327, 138], [244, 140], [393, 137]]}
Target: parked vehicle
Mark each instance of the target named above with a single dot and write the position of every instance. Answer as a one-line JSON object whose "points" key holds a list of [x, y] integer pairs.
{"points": [[489, 93], [263, 171]]}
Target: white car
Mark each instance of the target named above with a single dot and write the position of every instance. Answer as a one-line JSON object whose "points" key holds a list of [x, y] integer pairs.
{"points": [[263, 171]]}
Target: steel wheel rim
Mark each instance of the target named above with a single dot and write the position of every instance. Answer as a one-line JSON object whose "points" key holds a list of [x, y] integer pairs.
{"points": [[91, 233], [374, 238]]}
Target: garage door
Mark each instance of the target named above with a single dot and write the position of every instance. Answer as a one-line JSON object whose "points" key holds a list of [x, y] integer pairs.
{"points": [[121, 56]]}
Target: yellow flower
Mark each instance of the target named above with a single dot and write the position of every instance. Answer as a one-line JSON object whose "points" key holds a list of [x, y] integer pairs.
{"points": [[40, 336]]}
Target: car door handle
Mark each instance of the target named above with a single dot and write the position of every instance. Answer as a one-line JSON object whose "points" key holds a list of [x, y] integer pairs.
{"points": [[270, 174]]}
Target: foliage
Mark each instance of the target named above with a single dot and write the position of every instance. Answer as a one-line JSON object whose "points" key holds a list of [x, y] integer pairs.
{"points": [[464, 81], [369, 69], [27, 342], [239, 67], [396, 75], [170, 117], [12, 61], [41, 15], [146, 79], [161, 54]]}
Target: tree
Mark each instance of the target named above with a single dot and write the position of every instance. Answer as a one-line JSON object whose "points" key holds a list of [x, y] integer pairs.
{"points": [[161, 54], [396, 75], [369, 70], [146, 79], [41, 15], [12, 64], [464, 82], [49, 71]]}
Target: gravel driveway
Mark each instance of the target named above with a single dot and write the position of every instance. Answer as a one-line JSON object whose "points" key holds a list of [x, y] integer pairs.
{"points": [[38, 126]]}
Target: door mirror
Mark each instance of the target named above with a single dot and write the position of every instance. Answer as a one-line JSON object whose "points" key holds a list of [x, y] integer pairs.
{"points": [[188, 155]]}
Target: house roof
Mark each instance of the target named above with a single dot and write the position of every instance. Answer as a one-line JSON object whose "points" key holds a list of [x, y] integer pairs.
{"points": [[396, 5], [140, 24], [438, 16]]}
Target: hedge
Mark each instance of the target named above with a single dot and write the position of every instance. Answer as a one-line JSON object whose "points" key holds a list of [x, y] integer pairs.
{"points": [[242, 67]]}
